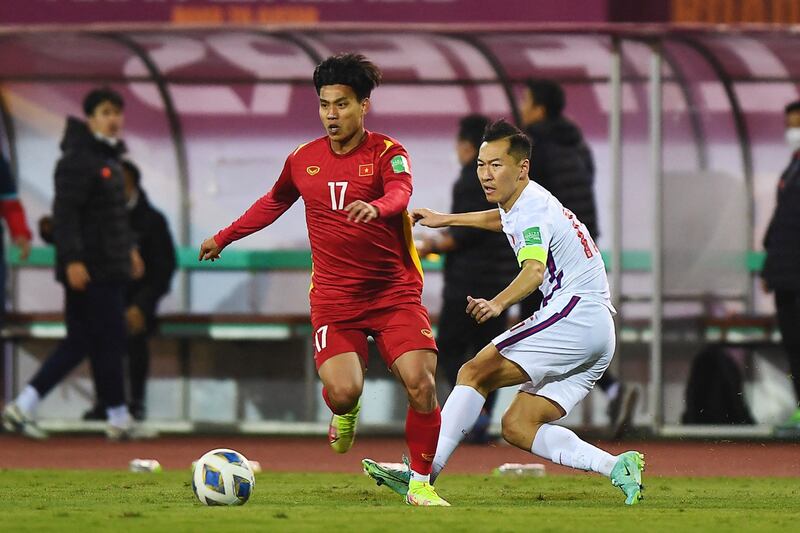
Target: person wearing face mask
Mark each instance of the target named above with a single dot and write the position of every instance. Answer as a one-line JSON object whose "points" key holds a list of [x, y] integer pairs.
{"points": [[154, 242], [782, 265], [95, 259], [562, 163]]}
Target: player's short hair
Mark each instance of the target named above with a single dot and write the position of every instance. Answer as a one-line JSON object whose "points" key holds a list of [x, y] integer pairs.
{"points": [[129, 167], [519, 145], [548, 94], [471, 128], [99, 96], [792, 107], [353, 70]]}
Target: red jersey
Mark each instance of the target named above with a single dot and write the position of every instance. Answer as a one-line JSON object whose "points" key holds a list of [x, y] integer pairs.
{"points": [[353, 263]]}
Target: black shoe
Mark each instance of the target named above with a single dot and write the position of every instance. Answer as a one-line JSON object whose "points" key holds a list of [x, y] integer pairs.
{"points": [[621, 410], [137, 411], [97, 412]]}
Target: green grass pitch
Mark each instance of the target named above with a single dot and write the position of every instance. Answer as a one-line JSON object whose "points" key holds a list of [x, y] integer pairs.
{"points": [[45, 500]]}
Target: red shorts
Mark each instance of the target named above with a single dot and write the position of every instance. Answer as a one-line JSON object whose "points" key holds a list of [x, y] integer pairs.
{"points": [[397, 329]]}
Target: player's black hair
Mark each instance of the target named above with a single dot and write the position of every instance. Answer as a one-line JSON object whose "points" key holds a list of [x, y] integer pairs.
{"points": [[519, 145], [100, 95], [353, 70], [549, 94], [471, 129], [792, 107], [129, 167]]}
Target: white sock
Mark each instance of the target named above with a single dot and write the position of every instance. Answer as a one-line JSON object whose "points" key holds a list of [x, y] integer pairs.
{"points": [[426, 478], [119, 416], [458, 416], [28, 400], [564, 447], [613, 390]]}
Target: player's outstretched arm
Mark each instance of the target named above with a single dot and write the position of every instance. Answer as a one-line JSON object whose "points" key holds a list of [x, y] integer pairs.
{"points": [[527, 281], [488, 220]]}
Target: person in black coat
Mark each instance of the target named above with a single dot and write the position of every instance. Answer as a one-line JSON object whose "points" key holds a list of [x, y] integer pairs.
{"points": [[562, 163], [478, 263], [95, 260], [154, 241], [781, 271]]}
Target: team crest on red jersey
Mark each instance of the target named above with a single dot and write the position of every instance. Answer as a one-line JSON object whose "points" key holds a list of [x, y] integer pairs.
{"points": [[365, 170], [312, 170]]}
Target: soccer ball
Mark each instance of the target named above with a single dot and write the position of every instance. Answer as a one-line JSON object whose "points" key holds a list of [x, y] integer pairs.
{"points": [[223, 477]]}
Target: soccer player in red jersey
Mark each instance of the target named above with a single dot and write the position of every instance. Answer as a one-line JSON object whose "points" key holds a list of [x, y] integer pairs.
{"points": [[366, 276]]}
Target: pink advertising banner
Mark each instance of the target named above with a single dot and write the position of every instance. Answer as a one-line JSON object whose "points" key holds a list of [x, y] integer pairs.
{"points": [[299, 11]]}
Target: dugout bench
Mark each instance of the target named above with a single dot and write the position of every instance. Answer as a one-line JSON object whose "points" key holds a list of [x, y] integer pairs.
{"points": [[184, 328]]}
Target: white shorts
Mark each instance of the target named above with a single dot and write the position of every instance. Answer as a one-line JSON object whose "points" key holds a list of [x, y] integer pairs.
{"points": [[564, 348]]}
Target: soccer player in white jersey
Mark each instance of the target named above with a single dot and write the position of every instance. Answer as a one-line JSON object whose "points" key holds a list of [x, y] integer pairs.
{"points": [[556, 355]]}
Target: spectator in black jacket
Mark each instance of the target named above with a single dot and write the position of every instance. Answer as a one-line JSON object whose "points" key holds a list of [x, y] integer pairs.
{"points": [[95, 260], [562, 163], [154, 241], [478, 263], [781, 271]]}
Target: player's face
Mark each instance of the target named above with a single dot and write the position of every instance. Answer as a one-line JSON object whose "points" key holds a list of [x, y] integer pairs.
{"points": [[499, 173], [107, 120], [341, 113]]}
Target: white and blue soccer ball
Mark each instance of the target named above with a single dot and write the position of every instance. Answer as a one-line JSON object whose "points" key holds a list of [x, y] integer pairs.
{"points": [[223, 477]]}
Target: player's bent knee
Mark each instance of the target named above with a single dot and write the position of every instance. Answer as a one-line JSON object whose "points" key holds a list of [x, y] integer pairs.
{"points": [[518, 431], [469, 374], [422, 392], [343, 397], [509, 428]]}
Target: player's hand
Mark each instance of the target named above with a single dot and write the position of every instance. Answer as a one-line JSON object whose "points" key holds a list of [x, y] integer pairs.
{"points": [[361, 211], [137, 264], [428, 218], [77, 276], [482, 310], [135, 320], [209, 250], [24, 245]]}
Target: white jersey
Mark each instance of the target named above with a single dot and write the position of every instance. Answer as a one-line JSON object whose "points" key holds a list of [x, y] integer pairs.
{"points": [[539, 227]]}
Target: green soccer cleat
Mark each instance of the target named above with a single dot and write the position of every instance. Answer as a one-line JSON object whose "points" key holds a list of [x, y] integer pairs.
{"points": [[394, 478], [627, 475], [791, 428], [423, 494], [342, 430]]}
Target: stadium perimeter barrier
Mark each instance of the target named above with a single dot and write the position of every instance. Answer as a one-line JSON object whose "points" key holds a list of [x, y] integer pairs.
{"points": [[685, 124]]}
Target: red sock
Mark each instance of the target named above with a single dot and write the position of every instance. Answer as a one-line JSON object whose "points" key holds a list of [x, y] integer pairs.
{"points": [[422, 434], [327, 401]]}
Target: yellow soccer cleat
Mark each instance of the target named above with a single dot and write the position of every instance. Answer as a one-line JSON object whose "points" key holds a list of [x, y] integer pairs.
{"points": [[342, 431], [423, 494]]}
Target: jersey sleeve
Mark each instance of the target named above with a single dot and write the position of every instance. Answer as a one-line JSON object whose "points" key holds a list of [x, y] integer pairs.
{"points": [[10, 206], [264, 211], [531, 237], [396, 173]]}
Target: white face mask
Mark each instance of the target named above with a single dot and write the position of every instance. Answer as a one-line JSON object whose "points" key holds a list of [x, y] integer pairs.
{"points": [[111, 141], [793, 138]]}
